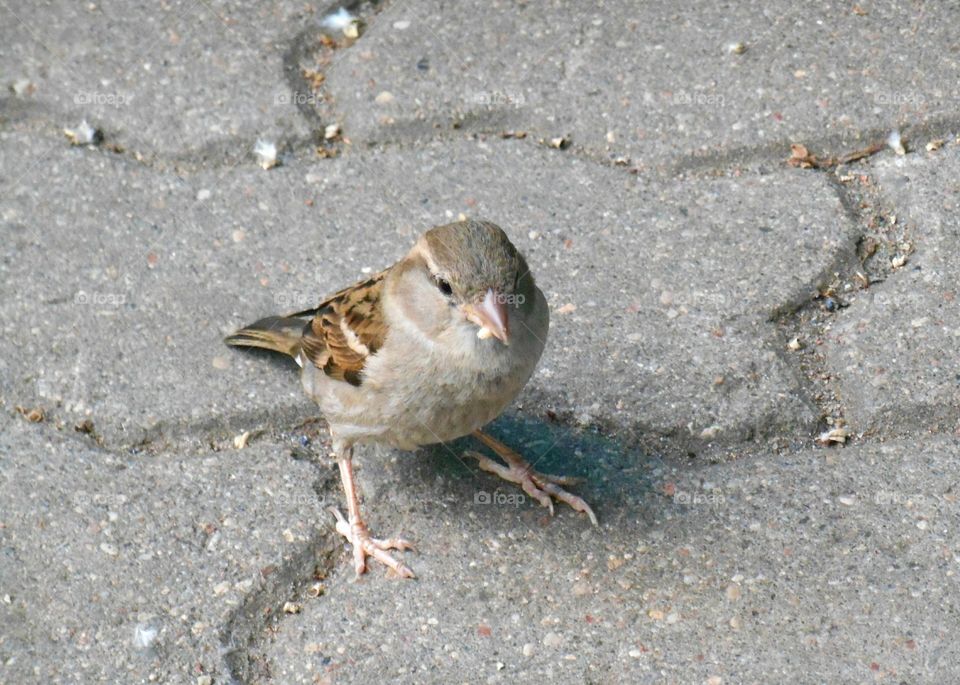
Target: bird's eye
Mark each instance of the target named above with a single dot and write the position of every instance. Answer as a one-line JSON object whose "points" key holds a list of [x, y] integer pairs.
{"points": [[444, 286]]}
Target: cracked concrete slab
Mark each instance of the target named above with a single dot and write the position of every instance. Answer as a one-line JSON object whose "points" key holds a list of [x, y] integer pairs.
{"points": [[181, 77], [816, 566], [140, 567], [648, 82], [123, 280], [893, 351]]}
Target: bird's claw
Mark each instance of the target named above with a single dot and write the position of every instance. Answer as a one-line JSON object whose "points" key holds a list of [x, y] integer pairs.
{"points": [[366, 546], [542, 487]]}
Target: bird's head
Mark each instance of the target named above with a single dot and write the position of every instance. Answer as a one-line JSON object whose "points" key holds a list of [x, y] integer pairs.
{"points": [[469, 274]]}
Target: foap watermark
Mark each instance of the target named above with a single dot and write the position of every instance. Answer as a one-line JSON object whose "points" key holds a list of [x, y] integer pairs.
{"points": [[95, 97], [297, 98], [510, 299], [100, 499], [685, 98], [496, 98], [295, 300], [498, 498], [905, 499], [899, 98], [699, 499], [100, 299]]}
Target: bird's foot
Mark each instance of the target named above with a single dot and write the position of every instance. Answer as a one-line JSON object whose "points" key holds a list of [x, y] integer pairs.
{"points": [[366, 546], [542, 487]]}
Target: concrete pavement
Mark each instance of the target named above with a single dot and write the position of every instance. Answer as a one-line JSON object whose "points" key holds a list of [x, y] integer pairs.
{"points": [[716, 314]]}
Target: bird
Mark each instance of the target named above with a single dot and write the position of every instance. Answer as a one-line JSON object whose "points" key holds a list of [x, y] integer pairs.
{"points": [[428, 350]]}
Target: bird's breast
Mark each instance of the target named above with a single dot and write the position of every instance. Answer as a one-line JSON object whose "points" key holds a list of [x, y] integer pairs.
{"points": [[415, 394]]}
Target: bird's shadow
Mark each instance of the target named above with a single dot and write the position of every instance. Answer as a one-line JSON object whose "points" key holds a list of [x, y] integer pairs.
{"points": [[617, 479]]}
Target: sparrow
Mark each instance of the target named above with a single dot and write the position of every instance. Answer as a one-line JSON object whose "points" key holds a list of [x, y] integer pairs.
{"points": [[429, 350]]}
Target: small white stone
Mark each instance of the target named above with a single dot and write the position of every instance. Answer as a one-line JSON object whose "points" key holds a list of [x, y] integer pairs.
{"points": [[266, 152], [710, 432], [240, 441], [22, 86], [338, 20], [895, 142], [84, 134], [144, 635]]}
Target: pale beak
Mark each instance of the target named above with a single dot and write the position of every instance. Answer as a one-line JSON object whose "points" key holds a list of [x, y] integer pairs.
{"points": [[491, 316]]}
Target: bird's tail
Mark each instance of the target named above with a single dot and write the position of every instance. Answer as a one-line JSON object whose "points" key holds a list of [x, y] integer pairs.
{"points": [[276, 333]]}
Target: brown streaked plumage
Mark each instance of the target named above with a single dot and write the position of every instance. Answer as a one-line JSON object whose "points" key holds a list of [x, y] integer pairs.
{"points": [[429, 350], [344, 330]]}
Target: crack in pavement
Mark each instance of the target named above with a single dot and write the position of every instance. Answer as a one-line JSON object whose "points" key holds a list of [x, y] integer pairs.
{"points": [[230, 152], [244, 628], [810, 322]]}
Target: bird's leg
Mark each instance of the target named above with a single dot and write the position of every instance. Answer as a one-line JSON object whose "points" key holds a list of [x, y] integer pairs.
{"points": [[541, 486], [355, 530]]}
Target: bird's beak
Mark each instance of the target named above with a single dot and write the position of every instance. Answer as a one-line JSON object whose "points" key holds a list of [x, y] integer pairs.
{"points": [[491, 316]]}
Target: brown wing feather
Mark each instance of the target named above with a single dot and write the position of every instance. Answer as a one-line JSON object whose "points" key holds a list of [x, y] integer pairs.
{"points": [[345, 330]]}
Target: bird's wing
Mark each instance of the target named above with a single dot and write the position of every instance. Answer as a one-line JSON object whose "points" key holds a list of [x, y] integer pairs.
{"points": [[345, 330]]}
